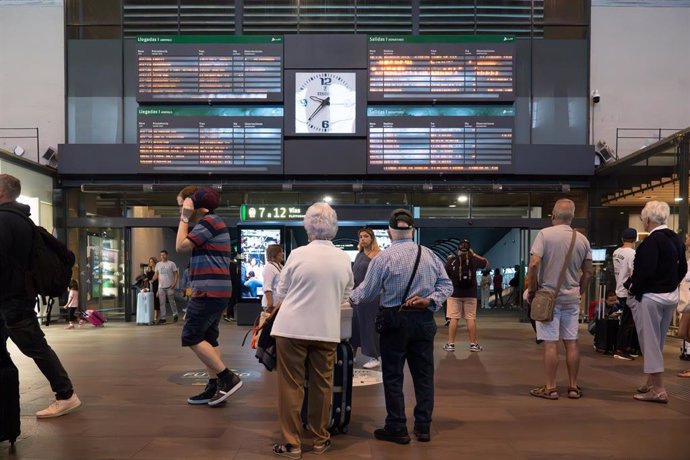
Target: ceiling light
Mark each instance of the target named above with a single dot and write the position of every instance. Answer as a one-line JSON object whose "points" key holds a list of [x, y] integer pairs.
{"points": [[328, 199], [452, 205], [463, 199], [19, 151], [678, 198]]}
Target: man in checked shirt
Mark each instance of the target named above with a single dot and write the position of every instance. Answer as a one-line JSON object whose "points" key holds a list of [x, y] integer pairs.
{"points": [[389, 274]]}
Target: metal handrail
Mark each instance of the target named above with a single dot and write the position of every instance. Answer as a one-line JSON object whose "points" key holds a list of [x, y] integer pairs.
{"points": [[659, 134]]}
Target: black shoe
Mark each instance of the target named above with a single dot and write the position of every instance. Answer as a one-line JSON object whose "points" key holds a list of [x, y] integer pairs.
{"points": [[226, 387], [623, 355], [685, 357], [539, 341], [175, 318], [398, 437], [422, 435], [204, 397], [162, 321]]}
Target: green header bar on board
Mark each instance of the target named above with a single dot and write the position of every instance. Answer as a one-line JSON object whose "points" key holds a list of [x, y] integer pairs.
{"points": [[239, 39], [263, 111], [441, 38]]}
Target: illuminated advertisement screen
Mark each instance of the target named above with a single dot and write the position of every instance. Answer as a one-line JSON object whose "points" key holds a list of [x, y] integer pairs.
{"points": [[224, 68], [202, 139], [421, 139], [441, 67], [253, 244]]}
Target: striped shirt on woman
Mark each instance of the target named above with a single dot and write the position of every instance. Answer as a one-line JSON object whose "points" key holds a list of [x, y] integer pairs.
{"points": [[209, 266]]}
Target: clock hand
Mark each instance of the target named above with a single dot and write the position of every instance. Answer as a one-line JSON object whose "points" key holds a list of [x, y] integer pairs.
{"points": [[323, 104], [314, 98]]}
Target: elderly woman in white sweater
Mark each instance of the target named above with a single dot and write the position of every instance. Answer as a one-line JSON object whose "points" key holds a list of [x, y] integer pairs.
{"points": [[315, 281]]}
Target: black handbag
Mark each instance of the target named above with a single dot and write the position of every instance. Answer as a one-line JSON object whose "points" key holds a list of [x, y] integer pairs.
{"points": [[388, 319]]}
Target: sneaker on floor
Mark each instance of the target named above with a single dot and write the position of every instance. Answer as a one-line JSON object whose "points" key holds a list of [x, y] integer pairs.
{"points": [[226, 388], [69, 326], [623, 355], [372, 363], [204, 397], [59, 407], [398, 437], [321, 448], [475, 347], [447, 322], [175, 318], [162, 321], [449, 347]]}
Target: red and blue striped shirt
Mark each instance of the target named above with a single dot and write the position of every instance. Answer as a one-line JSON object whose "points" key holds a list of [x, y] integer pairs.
{"points": [[209, 266]]}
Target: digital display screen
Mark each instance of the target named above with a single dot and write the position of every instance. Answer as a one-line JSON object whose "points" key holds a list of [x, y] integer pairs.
{"points": [[599, 255], [189, 68], [382, 238], [418, 139], [253, 244], [449, 68], [187, 139]]}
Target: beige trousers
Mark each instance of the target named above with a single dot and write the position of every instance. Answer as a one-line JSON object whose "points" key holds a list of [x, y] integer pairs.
{"points": [[319, 358]]}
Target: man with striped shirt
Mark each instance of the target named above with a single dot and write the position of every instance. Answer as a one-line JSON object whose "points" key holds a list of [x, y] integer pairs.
{"points": [[413, 340], [209, 274]]}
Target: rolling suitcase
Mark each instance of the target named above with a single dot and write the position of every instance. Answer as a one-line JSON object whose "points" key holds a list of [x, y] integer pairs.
{"points": [[341, 397], [605, 329], [144, 308], [9, 394], [94, 317]]}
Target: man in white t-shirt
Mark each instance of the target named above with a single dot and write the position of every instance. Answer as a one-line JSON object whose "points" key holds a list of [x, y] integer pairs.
{"points": [[623, 259], [167, 274], [548, 253]]}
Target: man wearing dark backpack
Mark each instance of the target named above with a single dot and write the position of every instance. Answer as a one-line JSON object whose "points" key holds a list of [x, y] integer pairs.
{"points": [[462, 271], [17, 303]]}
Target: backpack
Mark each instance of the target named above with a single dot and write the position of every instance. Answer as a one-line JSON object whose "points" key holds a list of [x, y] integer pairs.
{"points": [[464, 272], [51, 262]]}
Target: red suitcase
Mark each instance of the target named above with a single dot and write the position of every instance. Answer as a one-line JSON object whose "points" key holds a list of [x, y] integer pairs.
{"points": [[94, 317]]}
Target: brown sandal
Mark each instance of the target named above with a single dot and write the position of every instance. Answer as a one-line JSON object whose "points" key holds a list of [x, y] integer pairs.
{"points": [[644, 388], [651, 396], [543, 392], [684, 374], [574, 392]]}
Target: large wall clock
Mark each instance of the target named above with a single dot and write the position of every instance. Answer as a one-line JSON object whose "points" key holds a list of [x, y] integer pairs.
{"points": [[325, 102]]}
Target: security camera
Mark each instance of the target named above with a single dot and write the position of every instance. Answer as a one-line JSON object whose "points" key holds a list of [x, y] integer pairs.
{"points": [[596, 97]]}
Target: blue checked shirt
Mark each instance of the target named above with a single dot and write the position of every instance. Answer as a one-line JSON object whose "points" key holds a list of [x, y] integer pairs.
{"points": [[390, 271]]}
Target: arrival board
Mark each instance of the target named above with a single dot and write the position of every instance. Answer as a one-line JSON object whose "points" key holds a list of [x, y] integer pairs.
{"points": [[209, 68], [207, 140]]}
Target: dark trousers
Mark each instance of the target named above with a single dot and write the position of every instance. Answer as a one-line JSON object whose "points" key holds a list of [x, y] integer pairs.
{"points": [[412, 342], [626, 331], [22, 326]]}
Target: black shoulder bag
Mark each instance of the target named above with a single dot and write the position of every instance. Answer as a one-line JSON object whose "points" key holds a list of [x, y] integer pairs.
{"points": [[387, 319]]}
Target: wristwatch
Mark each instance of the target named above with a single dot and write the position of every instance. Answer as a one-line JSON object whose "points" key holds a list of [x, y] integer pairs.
{"points": [[184, 219]]}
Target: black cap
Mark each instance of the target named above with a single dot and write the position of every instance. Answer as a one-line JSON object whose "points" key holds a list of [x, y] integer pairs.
{"points": [[629, 234], [206, 197], [401, 219]]}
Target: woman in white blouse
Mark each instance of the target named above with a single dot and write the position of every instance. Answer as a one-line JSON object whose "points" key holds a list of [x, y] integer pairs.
{"points": [[315, 281], [274, 265]]}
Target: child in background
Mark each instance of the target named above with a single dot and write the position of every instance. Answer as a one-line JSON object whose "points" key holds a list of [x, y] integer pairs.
{"points": [[73, 304]]}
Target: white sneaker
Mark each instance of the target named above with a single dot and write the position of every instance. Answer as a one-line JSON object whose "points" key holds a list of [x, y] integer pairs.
{"points": [[372, 363], [59, 407]]}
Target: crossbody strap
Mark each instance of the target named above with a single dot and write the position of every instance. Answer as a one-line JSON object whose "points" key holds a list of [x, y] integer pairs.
{"points": [[414, 272], [566, 262]]}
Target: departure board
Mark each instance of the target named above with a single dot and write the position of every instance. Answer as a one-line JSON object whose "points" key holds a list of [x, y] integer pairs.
{"points": [[437, 139], [441, 67], [207, 140], [188, 68]]}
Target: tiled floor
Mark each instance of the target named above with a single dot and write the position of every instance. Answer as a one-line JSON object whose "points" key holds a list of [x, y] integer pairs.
{"points": [[127, 377]]}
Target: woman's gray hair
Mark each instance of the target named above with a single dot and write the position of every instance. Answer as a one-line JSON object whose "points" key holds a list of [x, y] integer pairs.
{"points": [[321, 222], [656, 211]]}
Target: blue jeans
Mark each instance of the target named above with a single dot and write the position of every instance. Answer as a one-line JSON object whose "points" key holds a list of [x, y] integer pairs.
{"points": [[19, 317], [412, 342]]}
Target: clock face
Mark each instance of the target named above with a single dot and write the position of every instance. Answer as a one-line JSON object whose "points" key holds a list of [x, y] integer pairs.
{"points": [[325, 102]]}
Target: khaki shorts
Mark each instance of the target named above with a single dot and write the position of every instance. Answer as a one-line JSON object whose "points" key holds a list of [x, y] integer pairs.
{"points": [[462, 307]]}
